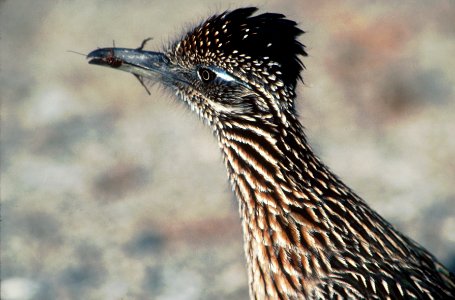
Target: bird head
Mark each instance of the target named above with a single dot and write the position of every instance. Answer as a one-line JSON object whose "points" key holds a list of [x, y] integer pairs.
{"points": [[233, 65]]}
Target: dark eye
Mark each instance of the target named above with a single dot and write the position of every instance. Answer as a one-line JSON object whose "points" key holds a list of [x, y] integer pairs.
{"points": [[206, 75]]}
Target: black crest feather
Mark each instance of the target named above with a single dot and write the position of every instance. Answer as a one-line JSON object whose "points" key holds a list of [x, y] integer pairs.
{"points": [[240, 39]]}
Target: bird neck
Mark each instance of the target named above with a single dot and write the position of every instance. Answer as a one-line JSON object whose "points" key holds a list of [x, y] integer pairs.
{"points": [[276, 177], [272, 169], [294, 210]]}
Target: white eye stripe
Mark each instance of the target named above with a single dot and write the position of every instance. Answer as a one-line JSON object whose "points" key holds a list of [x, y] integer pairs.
{"points": [[223, 75]]}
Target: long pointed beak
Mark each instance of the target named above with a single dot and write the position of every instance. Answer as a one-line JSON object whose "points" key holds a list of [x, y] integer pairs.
{"points": [[136, 61]]}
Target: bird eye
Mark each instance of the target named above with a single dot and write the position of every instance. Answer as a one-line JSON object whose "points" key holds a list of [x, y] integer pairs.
{"points": [[206, 75]]}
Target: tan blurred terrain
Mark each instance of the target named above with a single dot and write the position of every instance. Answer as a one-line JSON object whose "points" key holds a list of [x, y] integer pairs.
{"points": [[108, 193]]}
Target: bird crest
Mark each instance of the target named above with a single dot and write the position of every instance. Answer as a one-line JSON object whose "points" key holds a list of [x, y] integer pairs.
{"points": [[258, 47]]}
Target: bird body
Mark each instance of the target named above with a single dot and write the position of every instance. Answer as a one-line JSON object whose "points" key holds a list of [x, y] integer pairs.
{"points": [[306, 234]]}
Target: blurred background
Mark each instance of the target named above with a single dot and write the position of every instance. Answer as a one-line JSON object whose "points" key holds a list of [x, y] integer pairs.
{"points": [[108, 193]]}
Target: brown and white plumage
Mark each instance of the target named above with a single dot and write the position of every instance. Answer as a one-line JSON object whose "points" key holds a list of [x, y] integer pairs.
{"points": [[307, 235]]}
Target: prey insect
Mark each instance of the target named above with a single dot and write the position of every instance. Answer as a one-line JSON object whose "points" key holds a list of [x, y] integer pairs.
{"points": [[112, 60]]}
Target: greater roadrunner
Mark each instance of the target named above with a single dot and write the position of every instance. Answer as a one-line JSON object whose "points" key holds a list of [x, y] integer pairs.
{"points": [[307, 235]]}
